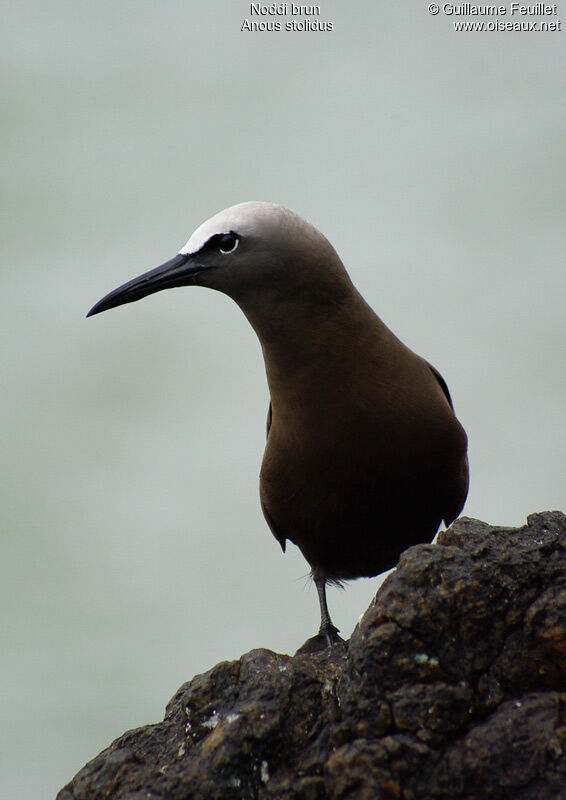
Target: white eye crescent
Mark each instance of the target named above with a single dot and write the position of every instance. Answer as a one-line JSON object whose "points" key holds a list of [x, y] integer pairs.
{"points": [[228, 243]]}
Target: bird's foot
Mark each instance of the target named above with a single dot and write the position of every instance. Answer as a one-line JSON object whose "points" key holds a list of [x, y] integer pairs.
{"points": [[326, 637]]}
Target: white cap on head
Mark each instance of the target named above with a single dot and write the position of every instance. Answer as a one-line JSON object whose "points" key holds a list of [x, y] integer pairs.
{"points": [[270, 221], [242, 219]]}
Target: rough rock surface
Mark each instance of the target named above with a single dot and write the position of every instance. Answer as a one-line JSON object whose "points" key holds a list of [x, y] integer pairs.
{"points": [[452, 686]]}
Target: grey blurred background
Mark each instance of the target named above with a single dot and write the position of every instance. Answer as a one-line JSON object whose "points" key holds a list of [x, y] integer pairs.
{"points": [[134, 553]]}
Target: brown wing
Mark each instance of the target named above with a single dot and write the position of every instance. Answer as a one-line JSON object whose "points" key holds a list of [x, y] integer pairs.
{"points": [[442, 384], [268, 518], [279, 536], [463, 481], [459, 495]]}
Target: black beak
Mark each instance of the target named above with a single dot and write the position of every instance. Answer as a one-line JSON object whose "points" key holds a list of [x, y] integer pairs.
{"points": [[179, 271]]}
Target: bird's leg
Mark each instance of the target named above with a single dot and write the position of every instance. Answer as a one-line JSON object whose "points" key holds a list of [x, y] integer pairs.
{"points": [[327, 629], [327, 633]]}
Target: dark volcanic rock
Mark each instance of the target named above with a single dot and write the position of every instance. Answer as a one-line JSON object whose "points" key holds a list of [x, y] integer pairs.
{"points": [[452, 686]]}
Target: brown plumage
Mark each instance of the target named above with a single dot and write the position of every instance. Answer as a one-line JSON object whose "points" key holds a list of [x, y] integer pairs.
{"points": [[364, 455]]}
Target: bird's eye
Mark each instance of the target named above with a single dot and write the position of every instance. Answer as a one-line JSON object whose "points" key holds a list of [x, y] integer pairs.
{"points": [[228, 243]]}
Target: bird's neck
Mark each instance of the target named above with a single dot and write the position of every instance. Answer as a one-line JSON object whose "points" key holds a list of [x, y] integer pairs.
{"points": [[308, 348]]}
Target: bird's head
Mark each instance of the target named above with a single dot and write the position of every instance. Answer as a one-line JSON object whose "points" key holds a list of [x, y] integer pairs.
{"points": [[254, 252]]}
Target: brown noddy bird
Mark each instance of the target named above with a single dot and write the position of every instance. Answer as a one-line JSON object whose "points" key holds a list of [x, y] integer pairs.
{"points": [[364, 454]]}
